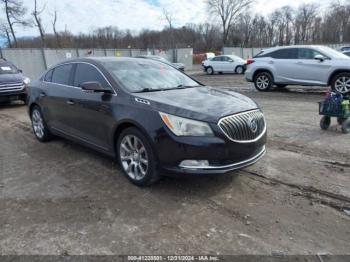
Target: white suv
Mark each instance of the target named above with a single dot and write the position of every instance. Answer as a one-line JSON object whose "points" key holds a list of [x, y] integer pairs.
{"points": [[224, 64], [300, 65]]}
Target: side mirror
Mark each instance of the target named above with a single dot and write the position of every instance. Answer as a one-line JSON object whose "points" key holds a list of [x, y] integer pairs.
{"points": [[320, 58], [94, 87], [20, 70]]}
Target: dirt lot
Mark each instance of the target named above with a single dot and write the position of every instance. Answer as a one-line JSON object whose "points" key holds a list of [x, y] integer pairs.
{"points": [[61, 198]]}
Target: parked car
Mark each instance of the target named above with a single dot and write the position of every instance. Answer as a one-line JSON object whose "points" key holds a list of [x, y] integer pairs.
{"points": [[150, 116], [224, 64], [300, 65], [12, 83], [179, 66]]}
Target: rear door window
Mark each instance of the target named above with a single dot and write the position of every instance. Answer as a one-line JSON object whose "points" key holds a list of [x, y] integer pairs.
{"points": [[88, 73], [288, 53], [227, 59], [62, 74]]}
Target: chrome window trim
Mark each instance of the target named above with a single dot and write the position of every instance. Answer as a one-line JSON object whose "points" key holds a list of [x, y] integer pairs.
{"points": [[244, 141], [69, 63]]}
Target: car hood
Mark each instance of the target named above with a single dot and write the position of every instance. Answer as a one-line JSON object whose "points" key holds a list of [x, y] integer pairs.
{"points": [[11, 78], [201, 103]]}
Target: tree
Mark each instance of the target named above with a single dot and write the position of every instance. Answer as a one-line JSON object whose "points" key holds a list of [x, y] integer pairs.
{"points": [[4, 31], [37, 20], [228, 11], [54, 28], [14, 11], [305, 18]]}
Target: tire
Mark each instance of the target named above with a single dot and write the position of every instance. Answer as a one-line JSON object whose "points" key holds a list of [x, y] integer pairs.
{"points": [[239, 70], [341, 120], [210, 70], [263, 81], [346, 126], [40, 129], [136, 158], [24, 99], [281, 86], [341, 83], [325, 122]]}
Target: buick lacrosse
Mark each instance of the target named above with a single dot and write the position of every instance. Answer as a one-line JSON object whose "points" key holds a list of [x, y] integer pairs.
{"points": [[151, 117]]}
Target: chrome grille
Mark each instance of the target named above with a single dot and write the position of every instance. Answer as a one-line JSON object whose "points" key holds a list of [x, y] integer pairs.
{"points": [[11, 87], [244, 127]]}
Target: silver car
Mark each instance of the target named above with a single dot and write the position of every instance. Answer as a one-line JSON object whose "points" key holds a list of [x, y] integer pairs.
{"points": [[300, 65], [224, 64]]}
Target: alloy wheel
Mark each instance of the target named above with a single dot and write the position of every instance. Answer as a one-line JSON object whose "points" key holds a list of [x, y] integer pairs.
{"points": [[134, 157], [342, 85], [262, 82], [239, 70], [38, 124], [210, 71]]}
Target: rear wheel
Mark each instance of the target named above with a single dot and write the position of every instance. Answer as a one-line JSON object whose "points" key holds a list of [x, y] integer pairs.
{"points": [[263, 81], [346, 126], [136, 157], [40, 129], [210, 70], [325, 122], [239, 70], [341, 83]]}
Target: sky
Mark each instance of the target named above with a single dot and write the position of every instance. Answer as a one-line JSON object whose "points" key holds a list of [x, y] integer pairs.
{"points": [[86, 15]]}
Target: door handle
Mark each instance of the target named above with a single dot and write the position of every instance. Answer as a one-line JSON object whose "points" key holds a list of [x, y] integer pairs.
{"points": [[42, 94], [70, 102], [271, 62], [300, 63]]}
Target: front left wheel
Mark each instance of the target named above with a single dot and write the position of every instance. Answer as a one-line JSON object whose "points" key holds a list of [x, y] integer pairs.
{"points": [[136, 158]]}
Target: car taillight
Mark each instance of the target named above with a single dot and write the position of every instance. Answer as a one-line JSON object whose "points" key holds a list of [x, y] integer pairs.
{"points": [[250, 61]]}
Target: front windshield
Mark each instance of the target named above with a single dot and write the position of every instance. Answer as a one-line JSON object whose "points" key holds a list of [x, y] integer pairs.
{"points": [[142, 76], [332, 53], [8, 69]]}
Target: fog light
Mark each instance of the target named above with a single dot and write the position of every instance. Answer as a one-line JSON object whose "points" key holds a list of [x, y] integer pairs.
{"points": [[194, 163]]}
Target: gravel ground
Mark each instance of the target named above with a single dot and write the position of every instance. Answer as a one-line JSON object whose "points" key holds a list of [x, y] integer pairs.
{"points": [[61, 198]]}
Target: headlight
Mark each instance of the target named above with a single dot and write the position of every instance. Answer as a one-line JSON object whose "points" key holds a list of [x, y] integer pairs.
{"points": [[26, 81], [186, 127]]}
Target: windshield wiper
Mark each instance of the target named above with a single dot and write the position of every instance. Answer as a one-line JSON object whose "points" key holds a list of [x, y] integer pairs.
{"points": [[146, 90]]}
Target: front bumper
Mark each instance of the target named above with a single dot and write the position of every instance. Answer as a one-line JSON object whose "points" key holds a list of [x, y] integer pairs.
{"points": [[15, 95], [222, 155], [219, 169]]}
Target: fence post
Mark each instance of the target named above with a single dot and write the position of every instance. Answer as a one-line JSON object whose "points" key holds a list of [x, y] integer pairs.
{"points": [[1, 55], [77, 51], [105, 51]]}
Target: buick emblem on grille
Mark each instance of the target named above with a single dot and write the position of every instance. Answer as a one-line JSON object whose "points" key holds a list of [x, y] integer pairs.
{"points": [[253, 124]]}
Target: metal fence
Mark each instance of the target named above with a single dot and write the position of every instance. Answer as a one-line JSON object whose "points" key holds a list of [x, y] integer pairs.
{"points": [[246, 53], [34, 62]]}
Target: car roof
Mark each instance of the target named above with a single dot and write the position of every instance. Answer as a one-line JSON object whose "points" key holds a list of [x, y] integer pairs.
{"points": [[290, 46], [101, 59]]}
